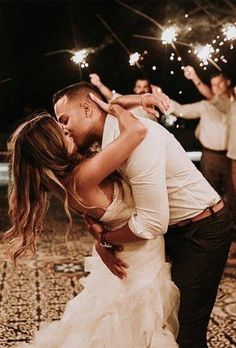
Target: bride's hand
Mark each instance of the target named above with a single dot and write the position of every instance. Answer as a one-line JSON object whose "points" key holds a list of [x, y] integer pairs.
{"points": [[159, 99], [111, 109]]}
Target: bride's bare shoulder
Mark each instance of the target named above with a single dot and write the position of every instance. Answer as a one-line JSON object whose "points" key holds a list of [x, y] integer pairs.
{"points": [[81, 175]]}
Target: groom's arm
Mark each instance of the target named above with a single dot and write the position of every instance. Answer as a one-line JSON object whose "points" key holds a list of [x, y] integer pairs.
{"points": [[146, 172]]}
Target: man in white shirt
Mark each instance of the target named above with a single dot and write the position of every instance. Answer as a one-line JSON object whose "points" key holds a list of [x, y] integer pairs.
{"points": [[164, 181], [212, 132]]}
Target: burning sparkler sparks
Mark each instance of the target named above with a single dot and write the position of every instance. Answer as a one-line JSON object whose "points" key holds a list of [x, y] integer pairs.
{"points": [[229, 31], [79, 57], [169, 35], [134, 58], [204, 53]]}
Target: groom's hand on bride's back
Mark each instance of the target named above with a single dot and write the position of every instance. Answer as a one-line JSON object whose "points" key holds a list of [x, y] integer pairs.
{"points": [[113, 263]]}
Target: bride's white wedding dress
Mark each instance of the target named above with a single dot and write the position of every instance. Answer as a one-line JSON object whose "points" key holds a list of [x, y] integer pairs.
{"points": [[139, 311]]}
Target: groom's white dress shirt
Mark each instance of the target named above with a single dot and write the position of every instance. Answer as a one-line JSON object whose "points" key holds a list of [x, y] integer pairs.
{"points": [[166, 186]]}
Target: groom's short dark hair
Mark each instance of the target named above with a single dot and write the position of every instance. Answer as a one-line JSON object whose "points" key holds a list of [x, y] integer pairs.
{"points": [[81, 89]]}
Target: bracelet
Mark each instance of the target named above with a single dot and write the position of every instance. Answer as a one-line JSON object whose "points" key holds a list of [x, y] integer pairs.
{"points": [[103, 242], [198, 83], [144, 95]]}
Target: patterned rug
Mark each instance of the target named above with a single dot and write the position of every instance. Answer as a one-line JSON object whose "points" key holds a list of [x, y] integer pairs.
{"points": [[38, 290]]}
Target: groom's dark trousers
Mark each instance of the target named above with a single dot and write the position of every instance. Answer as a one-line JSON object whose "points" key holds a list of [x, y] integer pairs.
{"points": [[198, 252]]}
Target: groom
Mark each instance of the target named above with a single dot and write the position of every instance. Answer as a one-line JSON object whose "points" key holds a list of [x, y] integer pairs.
{"points": [[167, 189]]}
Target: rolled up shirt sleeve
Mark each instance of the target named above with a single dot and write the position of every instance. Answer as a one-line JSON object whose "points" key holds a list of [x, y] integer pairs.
{"points": [[188, 111], [146, 172]]}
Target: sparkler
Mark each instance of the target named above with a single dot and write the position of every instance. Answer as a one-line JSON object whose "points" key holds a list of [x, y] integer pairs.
{"points": [[5, 80], [169, 35], [169, 120], [134, 58], [79, 57], [229, 31], [204, 54]]}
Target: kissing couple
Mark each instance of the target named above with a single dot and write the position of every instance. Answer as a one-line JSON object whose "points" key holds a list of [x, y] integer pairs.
{"points": [[141, 196]]}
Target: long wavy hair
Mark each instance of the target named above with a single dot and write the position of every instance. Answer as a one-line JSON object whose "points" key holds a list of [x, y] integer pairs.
{"points": [[38, 160]]}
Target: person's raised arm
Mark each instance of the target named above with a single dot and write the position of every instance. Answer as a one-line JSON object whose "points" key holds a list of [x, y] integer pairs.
{"points": [[187, 111], [147, 101], [205, 90], [96, 81], [94, 170]]}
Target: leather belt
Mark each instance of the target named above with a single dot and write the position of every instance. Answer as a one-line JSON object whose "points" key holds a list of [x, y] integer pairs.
{"points": [[204, 214]]}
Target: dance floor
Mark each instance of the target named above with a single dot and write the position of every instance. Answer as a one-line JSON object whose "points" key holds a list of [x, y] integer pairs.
{"points": [[38, 290]]}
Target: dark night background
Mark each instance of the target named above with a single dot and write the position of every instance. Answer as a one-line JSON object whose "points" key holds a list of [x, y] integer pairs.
{"points": [[29, 29]]}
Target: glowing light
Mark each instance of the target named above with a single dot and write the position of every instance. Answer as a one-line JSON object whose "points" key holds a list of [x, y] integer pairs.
{"points": [[179, 59], [79, 57], [229, 31], [154, 68], [169, 120], [186, 15], [189, 51], [180, 92], [169, 35], [172, 72], [204, 53], [172, 58], [134, 58]]}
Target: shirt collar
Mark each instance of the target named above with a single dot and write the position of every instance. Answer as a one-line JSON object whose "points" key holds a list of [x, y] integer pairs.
{"points": [[109, 130]]}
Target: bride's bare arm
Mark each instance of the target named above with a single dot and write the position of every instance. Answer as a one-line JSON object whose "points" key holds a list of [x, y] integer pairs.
{"points": [[147, 101], [94, 170]]}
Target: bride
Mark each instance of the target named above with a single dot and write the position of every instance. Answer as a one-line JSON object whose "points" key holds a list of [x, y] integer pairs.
{"points": [[138, 311]]}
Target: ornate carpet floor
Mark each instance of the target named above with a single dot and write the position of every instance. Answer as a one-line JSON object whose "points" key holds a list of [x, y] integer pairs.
{"points": [[39, 290]]}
